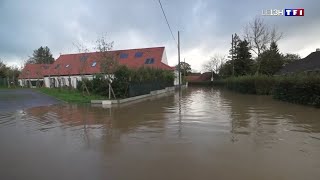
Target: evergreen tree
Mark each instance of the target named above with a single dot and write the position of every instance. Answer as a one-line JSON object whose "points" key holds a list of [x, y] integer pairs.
{"points": [[242, 61], [226, 69], [289, 58], [271, 61], [41, 56], [236, 41], [3, 69]]}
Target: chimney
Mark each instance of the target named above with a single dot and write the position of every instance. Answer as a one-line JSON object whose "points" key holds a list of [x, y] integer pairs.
{"points": [[318, 49]]}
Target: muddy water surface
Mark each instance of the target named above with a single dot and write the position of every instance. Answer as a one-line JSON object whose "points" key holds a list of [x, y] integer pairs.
{"points": [[202, 133]]}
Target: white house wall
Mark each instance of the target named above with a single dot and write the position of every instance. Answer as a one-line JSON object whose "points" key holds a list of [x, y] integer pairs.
{"points": [[23, 82], [65, 80], [176, 79], [164, 57]]}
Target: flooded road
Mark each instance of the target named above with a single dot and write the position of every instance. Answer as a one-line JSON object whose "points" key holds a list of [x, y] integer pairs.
{"points": [[204, 133]]}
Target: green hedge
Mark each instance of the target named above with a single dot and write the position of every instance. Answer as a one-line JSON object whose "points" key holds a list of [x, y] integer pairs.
{"points": [[299, 88], [125, 77], [261, 85]]}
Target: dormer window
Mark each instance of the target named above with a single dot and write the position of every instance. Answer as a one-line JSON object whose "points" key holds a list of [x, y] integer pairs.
{"points": [[83, 58], [123, 55], [138, 54], [149, 61]]}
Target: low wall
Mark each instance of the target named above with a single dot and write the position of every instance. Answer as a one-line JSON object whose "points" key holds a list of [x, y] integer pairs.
{"points": [[120, 101]]}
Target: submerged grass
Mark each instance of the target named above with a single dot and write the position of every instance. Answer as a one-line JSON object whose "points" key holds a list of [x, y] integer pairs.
{"points": [[72, 96]]}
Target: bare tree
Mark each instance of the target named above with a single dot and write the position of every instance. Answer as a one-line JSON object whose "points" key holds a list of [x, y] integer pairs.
{"points": [[275, 35], [39, 74], [259, 35], [83, 65], [69, 76], [213, 64], [108, 61]]}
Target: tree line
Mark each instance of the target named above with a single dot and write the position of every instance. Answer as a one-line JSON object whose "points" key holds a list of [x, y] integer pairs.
{"points": [[255, 53], [9, 74]]}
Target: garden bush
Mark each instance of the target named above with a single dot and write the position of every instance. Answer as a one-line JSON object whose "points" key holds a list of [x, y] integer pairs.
{"points": [[130, 82], [261, 85], [299, 89]]}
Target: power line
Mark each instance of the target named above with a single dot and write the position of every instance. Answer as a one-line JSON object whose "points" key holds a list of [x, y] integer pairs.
{"points": [[164, 14]]}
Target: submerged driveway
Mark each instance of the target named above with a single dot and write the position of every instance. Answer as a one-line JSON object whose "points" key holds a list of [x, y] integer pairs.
{"points": [[16, 99]]}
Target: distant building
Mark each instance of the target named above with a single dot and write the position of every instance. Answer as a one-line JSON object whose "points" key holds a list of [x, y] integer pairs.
{"points": [[310, 63], [33, 74], [68, 69], [197, 77]]}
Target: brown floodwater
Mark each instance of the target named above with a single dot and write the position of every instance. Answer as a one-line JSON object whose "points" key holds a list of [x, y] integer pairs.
{"points": [[200, 133]]}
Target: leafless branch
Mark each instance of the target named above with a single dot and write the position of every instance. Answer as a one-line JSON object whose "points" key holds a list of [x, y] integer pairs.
{"points": [[259, 35]]}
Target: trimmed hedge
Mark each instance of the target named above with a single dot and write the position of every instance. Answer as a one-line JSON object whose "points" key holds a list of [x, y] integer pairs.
{"points": [[261, 85], [299, 89]]}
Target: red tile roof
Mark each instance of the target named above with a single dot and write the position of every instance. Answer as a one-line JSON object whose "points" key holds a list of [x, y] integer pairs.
{"points": [[34, 71], [201, 78], [192, 78], [71, 64]]}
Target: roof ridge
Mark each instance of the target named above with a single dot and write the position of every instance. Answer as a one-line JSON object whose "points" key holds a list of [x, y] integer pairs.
{"points": [[113, 50]]}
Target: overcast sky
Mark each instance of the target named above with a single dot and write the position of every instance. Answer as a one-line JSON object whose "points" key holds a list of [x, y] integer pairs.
{"points": [[205, 25]]}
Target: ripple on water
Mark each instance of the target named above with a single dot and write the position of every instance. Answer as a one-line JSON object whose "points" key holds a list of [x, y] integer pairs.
{"points": [[7, 119]]}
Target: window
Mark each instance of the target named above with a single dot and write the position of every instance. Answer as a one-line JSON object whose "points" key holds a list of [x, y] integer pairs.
{"points": [[123, 55], [67, 65], [45, 67], [93, 64], [83, 58], [138, 54], [149, 61]]}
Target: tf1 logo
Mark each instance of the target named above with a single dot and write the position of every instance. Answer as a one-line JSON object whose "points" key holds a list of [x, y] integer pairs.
{"points": [[294, 12], [281, 12]]}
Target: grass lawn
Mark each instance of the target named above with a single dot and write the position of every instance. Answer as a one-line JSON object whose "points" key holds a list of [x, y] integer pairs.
{"points": [[73, 96]]}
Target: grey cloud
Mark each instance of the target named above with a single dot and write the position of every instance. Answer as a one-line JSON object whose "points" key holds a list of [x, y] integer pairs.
{"points": [[204, 24]]}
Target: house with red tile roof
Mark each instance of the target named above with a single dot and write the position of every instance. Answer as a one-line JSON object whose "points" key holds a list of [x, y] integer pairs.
{"points": [[68, 69], [32, 74]]}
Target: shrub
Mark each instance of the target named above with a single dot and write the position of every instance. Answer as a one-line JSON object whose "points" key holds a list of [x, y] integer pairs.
{"points": [[261, 85], [300, 89], [141, 81], [297, 88]]}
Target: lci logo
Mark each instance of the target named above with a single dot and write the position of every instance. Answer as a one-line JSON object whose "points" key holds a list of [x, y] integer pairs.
{"points": [[283, 12]]}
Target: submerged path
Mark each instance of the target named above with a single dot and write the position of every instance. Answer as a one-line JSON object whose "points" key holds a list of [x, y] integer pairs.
{"points": [[15, 99]]}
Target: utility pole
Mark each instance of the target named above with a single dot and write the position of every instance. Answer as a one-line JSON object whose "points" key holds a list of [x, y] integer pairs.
{"points": [[179, 68], [232, 55], [184, 68]]}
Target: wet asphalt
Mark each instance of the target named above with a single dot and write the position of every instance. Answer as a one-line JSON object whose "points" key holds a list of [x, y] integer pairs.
{"points": [[19, 99]]}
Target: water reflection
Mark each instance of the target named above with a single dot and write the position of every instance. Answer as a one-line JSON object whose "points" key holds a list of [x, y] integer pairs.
{"points": [[198, 133]]}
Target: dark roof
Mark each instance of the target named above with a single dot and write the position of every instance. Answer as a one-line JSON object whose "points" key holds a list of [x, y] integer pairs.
{"points": [[309, 63], [194, 74]]}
